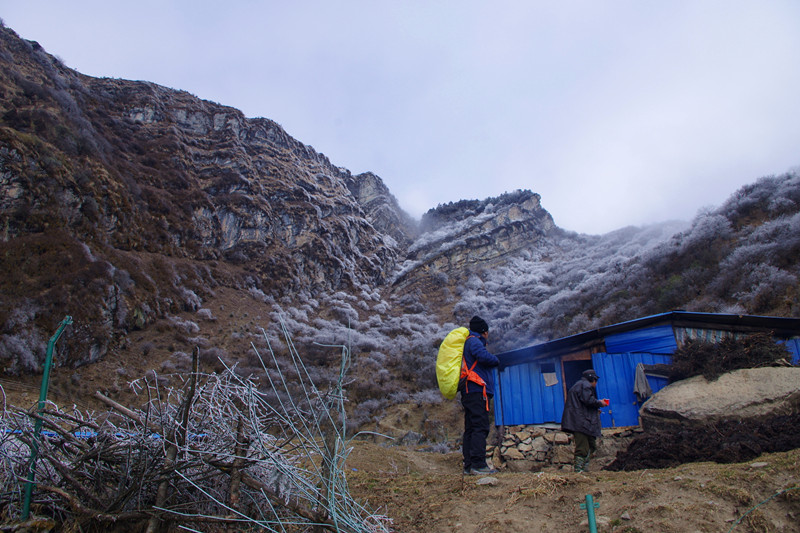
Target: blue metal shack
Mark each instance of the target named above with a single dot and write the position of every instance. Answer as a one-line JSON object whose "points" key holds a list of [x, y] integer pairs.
{"points": [[533, 382]]}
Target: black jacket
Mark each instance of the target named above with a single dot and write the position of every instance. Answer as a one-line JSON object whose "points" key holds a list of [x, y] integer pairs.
{"points": [[581, 411]]}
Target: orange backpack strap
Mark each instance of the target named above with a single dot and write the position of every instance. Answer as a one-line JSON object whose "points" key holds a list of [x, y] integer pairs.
{"points": [[470, 375]]}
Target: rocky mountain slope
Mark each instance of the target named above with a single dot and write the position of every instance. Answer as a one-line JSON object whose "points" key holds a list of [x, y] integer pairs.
{"points": [[160, 222], [138, 199]]}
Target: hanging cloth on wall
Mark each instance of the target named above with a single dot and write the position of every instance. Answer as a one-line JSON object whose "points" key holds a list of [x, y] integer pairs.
{"points": [[641, 388]]}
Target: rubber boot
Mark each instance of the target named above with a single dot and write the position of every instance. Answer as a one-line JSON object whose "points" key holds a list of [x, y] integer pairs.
{"points": [[585, 467], [579, 464]]}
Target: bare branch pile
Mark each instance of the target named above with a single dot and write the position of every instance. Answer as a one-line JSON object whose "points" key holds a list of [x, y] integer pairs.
{"points": [[214, 454]]}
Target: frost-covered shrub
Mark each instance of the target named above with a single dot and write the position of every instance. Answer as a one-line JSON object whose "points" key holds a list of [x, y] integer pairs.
{"points": [[258, 295], [191, 301], [22, 314], [706, 230], [206, 314], [345, 313], [22, 352], [399, 397], [382, 377], [416, 370], [439, 447], [122, 278], [368, 362], [381, 308], [185, 325], [213, 357], [778, 206], [427, 397], [198, 341], [765, 288], [364, 411], [181, 361], [769, 194]]}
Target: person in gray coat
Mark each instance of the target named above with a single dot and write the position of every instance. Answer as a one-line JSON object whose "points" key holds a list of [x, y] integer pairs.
{"points": [[582, 417]]}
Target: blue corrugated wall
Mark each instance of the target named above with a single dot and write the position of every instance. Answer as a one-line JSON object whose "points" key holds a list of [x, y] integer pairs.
{"points": [[523, 397], [617, 374]]}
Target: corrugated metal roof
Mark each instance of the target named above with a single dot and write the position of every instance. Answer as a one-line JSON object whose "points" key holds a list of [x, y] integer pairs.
{"points": [[782, 327]]}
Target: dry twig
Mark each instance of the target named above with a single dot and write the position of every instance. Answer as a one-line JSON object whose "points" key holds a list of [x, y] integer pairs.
{"points": [[184, 457]]}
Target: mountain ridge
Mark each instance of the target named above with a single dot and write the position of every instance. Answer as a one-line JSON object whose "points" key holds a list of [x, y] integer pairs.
{"points": [[131, 206]]}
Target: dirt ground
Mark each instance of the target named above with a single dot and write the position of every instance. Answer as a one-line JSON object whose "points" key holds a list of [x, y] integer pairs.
{"points": [[425, 491]]}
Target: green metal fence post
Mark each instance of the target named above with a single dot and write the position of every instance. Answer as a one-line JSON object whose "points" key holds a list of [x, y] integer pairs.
{"points": [[37, 429], [590, 506]]}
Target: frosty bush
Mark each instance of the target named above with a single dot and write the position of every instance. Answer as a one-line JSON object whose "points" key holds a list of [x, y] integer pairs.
{"points": [[23, 352], [206, 314], [185, 325], [259, 295], [714, 359], [364, 412], [427, 397], [191, 301]]}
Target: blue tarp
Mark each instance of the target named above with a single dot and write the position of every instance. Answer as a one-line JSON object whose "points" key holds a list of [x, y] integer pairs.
{"points": [[794, 346], [656, 340]]}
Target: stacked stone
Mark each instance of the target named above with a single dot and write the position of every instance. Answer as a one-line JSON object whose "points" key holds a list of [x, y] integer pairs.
{"points": [[536, 448], [527, 448]]}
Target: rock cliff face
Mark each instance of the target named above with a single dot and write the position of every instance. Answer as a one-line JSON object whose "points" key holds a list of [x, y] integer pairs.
{"points": [[381, 208], [125, 201], [187, 177], [461, 238]]}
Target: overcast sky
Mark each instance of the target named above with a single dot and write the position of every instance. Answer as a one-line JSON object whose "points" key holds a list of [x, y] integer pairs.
{"points": [[616, 112]]}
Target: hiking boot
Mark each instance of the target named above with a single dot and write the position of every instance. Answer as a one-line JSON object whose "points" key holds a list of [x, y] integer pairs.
{"points": [[482, 471], [582, 463]]}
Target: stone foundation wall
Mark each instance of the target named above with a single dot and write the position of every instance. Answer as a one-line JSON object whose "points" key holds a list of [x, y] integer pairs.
{"points": [[536, 448]]}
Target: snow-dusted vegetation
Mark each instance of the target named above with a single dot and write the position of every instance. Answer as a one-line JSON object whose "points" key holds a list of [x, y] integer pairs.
{"points": [[740, 257]]}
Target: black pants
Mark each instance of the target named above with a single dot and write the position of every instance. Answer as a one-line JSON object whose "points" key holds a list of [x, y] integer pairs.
{"points": [[476, 427]]}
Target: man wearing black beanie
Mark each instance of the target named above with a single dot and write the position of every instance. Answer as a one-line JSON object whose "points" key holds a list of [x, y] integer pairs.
{"points": [[476, 387]]}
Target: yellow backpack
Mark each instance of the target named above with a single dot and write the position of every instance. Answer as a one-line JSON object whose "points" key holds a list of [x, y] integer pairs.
{"points": [[448, 362]]}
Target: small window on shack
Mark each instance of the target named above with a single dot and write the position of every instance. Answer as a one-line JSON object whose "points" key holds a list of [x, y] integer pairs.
{"points": [[549, 374]]}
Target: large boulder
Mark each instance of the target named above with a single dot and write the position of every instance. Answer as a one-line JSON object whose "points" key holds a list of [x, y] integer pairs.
{"points": [[739, 395]]}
